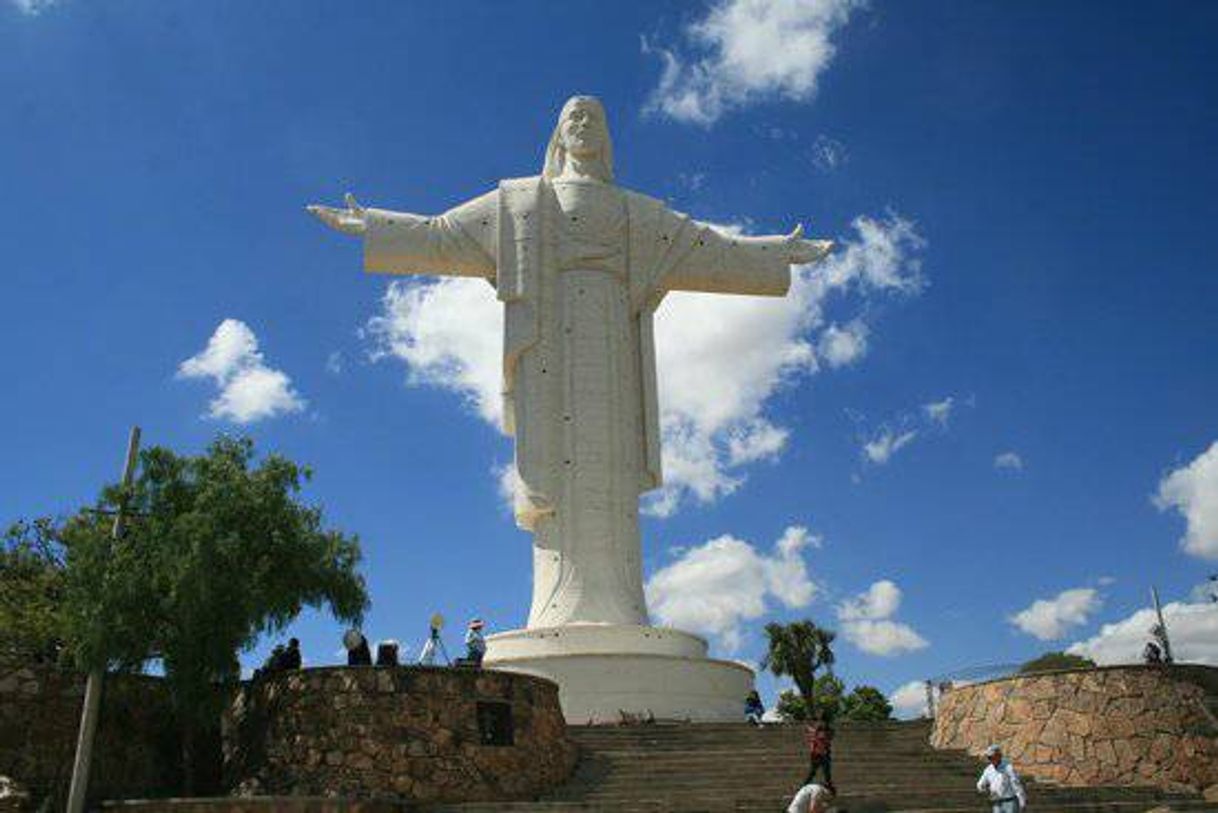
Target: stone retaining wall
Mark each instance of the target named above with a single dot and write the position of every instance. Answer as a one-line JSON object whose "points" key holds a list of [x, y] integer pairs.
{"points": [[415, 733], [1114, 725], [136, 751]]}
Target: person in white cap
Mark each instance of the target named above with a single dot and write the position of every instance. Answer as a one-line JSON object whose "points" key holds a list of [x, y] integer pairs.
{"points": [[475, 644], [811, 798], [1001, 783]]}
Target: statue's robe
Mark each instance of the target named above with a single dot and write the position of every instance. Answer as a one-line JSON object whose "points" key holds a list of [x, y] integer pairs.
{"points": [[579, 378]]}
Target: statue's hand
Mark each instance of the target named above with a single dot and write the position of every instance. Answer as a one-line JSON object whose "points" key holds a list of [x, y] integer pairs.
{"points": [[349, 221], [801, 251]]}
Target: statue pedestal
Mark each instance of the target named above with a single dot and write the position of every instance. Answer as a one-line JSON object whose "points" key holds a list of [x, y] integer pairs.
{"points": [[605, 669]]}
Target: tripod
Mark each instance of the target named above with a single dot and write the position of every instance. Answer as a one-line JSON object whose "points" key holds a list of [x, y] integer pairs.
{"points": [[434, 643]]}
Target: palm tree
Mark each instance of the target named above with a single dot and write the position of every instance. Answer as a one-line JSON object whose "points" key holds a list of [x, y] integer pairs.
{"points": [[799, 649]]}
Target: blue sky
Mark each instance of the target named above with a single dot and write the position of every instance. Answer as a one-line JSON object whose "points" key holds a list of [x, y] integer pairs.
{"points": [[1025, 199]]}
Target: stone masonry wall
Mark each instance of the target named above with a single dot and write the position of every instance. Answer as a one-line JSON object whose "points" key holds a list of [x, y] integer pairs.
{"points": [[136, 748], [410, 733], [1114, 725]]}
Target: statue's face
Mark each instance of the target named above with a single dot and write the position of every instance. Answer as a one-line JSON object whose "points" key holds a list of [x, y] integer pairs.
{"points": [[584, 131]]}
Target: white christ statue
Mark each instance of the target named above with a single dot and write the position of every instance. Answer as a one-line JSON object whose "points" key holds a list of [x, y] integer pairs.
{"points": [[580, 266]]}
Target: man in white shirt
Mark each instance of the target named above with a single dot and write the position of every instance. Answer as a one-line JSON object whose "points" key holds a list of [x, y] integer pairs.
{"points": [[475, 644], [811, 798], [1002, 784]]}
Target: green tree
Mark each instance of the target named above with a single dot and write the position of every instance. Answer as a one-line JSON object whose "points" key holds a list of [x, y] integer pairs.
{"points": [[866, 703], [792, 706], [32, 587], [218, 552], [863, 703], [1051, 661], [799, 650]]}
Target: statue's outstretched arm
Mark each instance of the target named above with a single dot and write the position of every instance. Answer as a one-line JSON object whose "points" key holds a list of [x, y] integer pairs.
{"points": [[705, 259], [459, 242]]}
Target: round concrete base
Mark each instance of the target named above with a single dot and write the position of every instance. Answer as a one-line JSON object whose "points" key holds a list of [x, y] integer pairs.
{"points": [[604, 670]]}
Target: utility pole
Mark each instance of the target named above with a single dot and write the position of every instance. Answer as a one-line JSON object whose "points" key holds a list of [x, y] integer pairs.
{"points": [[93, 687], [1162, 627]]}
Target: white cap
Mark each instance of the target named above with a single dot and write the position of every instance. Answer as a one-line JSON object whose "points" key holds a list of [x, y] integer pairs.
{"points": [[993, 749]]}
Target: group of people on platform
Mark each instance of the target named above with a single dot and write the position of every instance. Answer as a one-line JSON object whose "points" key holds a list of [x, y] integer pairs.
{"points": [[475, 646], [998, 781], [283, 658]]}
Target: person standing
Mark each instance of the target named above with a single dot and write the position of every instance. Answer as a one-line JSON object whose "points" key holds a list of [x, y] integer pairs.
{"points": [[753, 708], [475, 644], [820, 753], [1001, 783], [811, 798], [290, 659], [358, 653]]}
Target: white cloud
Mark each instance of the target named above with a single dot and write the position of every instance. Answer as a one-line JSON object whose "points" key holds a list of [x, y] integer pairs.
{"points": [[880, 449], [828, 154], [249, 389], [1051, 619], [867, 621], [715, 587], [743, 52], [693, 181], [939, 412], [1193, 629], [1193, 491], [887, 638], [880, 445], [881, 600], [511, 489], [33, 7], [1011, 461], [720, 358], [909, 700], [449, 333], [756, 440], [1205, 592], [843, 346], [335, 363]]}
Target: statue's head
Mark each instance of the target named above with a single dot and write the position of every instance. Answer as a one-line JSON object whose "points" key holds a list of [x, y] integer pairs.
{"points": [[582, 131]]}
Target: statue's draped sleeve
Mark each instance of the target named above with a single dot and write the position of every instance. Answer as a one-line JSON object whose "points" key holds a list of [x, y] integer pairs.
{"points": [[679, 253], [670, 251], [461, 242]]}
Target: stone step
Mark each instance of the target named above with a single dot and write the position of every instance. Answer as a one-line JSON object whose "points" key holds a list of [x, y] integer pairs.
{"points": [[589, 778], [740, 742], [659, 735], [724, 749], [775, 805], [873, 792], [741, 768], [937, 778], [776, 766], [746, 729], [797, 750]]}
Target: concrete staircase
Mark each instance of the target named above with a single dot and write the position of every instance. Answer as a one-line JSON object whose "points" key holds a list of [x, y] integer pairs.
{"points": [[740, 768]]}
